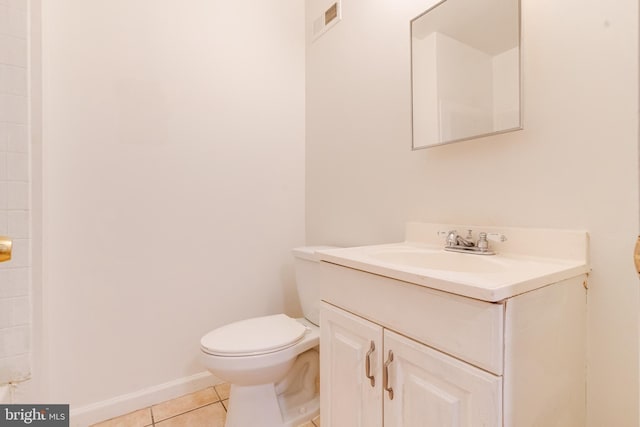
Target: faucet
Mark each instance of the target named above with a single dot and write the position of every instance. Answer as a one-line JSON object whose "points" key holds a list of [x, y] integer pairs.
{"points": [[454, 239], [457, 243]]}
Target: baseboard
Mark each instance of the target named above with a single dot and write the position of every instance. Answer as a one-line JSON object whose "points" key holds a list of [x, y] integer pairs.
{"points": [[120, 405], [5, 393]]}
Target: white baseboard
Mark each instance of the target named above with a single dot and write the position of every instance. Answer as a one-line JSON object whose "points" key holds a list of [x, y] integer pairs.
{"points": [[5, 393], [120, 405]]}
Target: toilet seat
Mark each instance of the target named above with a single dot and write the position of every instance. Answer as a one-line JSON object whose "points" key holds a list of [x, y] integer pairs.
{"points": [[255, 336]]}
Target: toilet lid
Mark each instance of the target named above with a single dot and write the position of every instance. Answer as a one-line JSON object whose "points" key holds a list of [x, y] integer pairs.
{"points": [[254, 336]]}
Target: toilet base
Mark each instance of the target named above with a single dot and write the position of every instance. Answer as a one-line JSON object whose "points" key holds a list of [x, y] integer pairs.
{"points": [[299, 393], [289, 403], [255, 405]]}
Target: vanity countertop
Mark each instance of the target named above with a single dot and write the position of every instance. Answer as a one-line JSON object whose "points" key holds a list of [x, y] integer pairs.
{"points": [[518, 267]]}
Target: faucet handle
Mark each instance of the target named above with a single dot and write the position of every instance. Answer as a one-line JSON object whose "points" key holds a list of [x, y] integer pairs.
{"points": [[496, 237], [482, 243], [451, 236], [483, 240], [446, 234]]}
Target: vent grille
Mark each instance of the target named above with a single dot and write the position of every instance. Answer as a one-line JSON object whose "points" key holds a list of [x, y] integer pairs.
{"points": [[323, 23]]}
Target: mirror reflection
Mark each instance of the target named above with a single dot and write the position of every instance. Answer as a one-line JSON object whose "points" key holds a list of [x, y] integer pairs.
{"points": [[465, 66]]}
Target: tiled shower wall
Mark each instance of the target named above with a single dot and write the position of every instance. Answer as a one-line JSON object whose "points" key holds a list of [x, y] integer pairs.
{"points": [[15, 323]]}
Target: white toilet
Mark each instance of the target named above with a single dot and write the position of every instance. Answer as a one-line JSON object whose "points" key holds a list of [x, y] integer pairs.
{"points": [[272, 362]]}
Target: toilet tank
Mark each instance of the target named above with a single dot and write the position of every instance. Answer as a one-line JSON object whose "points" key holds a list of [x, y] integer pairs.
{"points": [[308, 281]]}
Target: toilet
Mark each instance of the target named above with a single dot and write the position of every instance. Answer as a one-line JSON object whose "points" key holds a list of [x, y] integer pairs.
{"points": [[272, 362]]}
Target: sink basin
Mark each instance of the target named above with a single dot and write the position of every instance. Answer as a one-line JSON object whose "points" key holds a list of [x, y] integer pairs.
{"points": [[524, 263], [441, 260]]}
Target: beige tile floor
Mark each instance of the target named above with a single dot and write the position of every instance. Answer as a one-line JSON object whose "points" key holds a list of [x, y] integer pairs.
{"points": [[204, 408]]}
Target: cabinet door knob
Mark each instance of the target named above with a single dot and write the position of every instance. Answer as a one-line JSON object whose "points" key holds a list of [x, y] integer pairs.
{"points": [[367, 365], [385, 375]]}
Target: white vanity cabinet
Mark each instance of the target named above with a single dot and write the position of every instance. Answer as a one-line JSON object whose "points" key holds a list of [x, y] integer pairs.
{"points": [[432, 389], [351, 354], [456, 361], [373, 377]]}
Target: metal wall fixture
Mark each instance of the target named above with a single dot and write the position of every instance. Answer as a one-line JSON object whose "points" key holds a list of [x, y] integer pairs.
{"points": [[5, 248], [636, 255]]}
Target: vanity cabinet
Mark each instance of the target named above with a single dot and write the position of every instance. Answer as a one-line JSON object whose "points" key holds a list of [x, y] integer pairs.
{"points": [[374, 377], [351, 353], [449, 360]]}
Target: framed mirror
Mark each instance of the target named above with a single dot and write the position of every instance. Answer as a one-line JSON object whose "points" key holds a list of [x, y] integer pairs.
{"points": [[465, 71]]}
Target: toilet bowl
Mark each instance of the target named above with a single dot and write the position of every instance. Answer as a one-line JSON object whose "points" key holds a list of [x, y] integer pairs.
{"points": [[272, 361]]}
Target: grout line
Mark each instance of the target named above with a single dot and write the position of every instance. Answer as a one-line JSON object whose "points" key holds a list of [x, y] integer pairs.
{"points": [[215, 390], [191, 410], [185, 412], [217, 394], [153, 420]]}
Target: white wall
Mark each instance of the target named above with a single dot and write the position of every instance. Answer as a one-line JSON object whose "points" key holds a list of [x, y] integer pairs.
{"points": [[573, 166], [173, 183], [15, 301]]}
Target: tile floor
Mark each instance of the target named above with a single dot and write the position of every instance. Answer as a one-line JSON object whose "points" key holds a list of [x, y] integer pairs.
{"points": [[204, 408]]}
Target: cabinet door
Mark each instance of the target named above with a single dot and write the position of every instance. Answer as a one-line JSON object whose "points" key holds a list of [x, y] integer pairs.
{"points": [[348, 397], [432, 389]]}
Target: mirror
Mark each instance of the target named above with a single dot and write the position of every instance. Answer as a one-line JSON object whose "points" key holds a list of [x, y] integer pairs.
{"points": [[465, 71]]}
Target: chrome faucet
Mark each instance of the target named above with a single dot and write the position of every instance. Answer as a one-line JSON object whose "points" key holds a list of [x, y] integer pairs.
{"points": [[457, 243], [454, 239]]}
